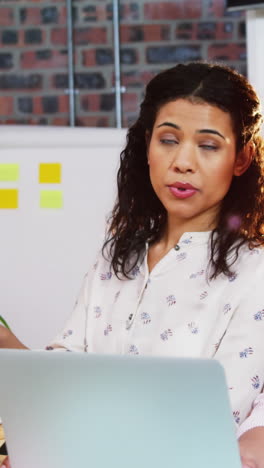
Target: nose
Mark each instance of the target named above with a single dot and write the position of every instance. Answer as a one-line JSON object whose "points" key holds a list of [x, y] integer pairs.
{"points": [[184, 159]]}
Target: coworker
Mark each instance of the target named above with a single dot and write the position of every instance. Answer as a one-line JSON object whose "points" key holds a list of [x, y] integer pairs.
{"points": [[181, 271]]}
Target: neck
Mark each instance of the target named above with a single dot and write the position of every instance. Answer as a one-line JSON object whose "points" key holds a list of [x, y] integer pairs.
{"points": [[175, 229]]}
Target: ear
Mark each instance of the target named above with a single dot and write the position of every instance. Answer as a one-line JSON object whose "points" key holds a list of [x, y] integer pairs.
{"points": [[244, 159]]}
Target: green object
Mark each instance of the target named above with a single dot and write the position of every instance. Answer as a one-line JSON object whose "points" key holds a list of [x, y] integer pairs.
{"points": [[51, 199], [9, 172], [2, 320]]}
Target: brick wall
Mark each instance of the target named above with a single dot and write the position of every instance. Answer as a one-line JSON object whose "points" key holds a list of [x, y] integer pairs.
{"points": [[154, 35]]}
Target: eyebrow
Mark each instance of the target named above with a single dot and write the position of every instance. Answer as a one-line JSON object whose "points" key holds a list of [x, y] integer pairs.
{"points": [[204, 130]]}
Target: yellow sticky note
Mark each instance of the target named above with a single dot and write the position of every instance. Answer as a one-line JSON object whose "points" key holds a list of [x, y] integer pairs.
{"points": [[8, 199], [50, 173], [51, 199], [9, 172]]}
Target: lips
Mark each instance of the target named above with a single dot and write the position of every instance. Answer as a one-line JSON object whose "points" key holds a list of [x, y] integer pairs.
{"points": [[182, 190], [183, 185]]}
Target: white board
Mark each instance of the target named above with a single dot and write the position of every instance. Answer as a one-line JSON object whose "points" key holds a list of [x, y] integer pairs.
{"points": [[255, 38], [46, 252]]}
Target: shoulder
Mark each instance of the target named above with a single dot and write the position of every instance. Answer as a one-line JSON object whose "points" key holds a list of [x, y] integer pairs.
{"points": [[249, 270], [251, 257], [102, 263]]}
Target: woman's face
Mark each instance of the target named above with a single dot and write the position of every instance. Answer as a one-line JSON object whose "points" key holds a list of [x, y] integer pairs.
{"points": [[192, 160]]}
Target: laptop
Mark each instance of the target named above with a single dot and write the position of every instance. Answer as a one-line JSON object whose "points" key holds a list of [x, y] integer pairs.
{"points": [[65, 410]]}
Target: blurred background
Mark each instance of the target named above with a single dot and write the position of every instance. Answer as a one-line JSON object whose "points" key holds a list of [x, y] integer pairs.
{"points": [[60, 59]]}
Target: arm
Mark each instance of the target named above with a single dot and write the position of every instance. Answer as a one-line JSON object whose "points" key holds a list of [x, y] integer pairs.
{"points": [[241, 349], [73, 335], [251, 436], [72, 338], [241, 353]]}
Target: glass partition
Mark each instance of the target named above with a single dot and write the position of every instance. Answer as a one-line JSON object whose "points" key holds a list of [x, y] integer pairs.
{"points": [[36, 63], [94, 63], [156, 35], [33, 57]]}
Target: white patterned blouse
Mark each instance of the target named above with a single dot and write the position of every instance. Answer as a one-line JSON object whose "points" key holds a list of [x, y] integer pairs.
{"points": [[177, 311]]}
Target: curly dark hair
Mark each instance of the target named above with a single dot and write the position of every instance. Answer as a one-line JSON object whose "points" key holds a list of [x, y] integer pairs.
{"points": [[138, 215]]}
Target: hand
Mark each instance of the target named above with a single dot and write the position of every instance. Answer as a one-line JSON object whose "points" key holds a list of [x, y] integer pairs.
{"points": [[9, 340], [5, 463], [251, 445]]}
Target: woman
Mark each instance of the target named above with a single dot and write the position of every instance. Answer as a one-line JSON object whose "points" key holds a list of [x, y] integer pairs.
{"points": [[181, 271]]}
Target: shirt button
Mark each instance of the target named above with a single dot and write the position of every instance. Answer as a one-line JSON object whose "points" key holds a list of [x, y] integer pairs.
{"points": [[176, 247]]}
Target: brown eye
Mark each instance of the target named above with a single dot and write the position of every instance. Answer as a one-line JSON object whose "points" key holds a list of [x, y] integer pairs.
{"points": [[209, 147], [168, 141]]}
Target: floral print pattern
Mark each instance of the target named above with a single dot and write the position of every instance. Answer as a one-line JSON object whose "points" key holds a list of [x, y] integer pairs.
{"points": [[176, 310]]}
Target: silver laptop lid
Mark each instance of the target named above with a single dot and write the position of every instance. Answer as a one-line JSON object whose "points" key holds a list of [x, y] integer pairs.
{"points": [[68, 409]]}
